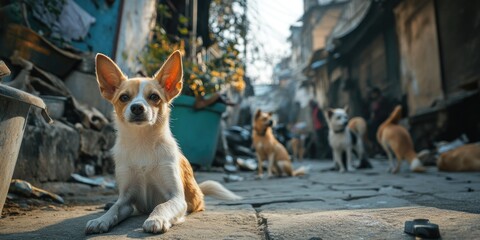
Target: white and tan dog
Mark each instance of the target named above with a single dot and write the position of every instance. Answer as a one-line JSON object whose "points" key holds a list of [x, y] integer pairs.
{"points": [[340, 138], [152, 174]]}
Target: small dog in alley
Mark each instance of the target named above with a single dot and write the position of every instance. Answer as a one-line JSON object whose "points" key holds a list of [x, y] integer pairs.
{"points": [[297, 142], [269, 148], [358, 130], [341, 137], [462, 159], [152, 174], [395, 138]]}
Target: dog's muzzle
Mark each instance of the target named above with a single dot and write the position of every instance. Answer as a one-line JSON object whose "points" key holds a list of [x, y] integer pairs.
{"points": [[138, 113]]}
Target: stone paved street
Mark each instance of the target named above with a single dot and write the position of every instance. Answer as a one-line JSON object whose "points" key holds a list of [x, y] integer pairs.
{"points": [[367, 204]]}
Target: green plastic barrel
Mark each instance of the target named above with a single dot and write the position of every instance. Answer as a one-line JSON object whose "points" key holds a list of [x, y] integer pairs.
{"points": [[196, 131]]}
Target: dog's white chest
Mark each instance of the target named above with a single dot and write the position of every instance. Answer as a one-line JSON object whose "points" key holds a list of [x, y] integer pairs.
{"points": [[259, 146], [340, 140], [147, 173]]}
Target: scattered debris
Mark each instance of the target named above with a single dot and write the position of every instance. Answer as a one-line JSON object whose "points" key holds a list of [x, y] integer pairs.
{"points": [[85, 133], [447, 146], [24, 188], [230, 168], [427, 157], [232, 178], [249, 164], [72, 23], [98, 181], [4, 71]]}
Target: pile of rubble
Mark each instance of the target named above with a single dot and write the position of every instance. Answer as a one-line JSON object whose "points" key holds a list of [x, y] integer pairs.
{"points": [[80, 138]]}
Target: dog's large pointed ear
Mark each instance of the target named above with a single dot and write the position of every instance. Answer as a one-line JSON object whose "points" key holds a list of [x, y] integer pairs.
{"points": [[109, 76], [170, 75], [346, 108], [329, 113], [257, 113]]}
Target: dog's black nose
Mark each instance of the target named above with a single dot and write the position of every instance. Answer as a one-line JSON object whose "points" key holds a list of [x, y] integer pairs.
{"points": [[137, 109]]}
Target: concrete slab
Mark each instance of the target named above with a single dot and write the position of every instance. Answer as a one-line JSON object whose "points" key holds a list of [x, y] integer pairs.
{"points": [[366, 204], [235, 222], [368, 224]]}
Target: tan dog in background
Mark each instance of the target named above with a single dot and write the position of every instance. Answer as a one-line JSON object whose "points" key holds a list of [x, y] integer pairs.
{"points": [[269, 148], [153, 175], [464, 158], [394, 137], [358, 126], [297, 143], [298, 147]]}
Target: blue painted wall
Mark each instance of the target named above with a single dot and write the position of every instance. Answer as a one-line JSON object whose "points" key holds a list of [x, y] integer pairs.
{"points": [[101, 36]]}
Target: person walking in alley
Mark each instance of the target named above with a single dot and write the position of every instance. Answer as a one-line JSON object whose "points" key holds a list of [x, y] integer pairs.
{"points": [[321, 130]]}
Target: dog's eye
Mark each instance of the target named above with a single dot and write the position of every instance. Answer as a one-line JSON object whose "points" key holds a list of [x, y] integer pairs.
{"points": [[124, 98], [154, 97]]}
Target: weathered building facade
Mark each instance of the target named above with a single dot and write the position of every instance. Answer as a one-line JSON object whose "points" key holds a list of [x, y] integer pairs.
{"points": [[420, 54]]}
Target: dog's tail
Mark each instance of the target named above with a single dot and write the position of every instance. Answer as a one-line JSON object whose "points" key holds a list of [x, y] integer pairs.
{"points": [[301, 171], [395, 116], [218, 191]]}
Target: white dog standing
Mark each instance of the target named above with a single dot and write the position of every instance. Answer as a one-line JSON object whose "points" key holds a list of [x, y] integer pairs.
{"points": [[339, 137]]}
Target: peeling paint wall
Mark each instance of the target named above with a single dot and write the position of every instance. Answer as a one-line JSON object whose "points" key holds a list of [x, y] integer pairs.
{"points": [[419, 53], [369, 67], [101, 36], [459, 31]]}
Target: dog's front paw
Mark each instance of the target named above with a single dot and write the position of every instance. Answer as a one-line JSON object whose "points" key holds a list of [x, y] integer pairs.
{"points": [[342, 170], [156, 224], [351, 169], [98, 225], [259, 176]]}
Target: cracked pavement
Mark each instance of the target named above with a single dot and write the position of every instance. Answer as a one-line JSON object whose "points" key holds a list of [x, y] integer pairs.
{"points": [[366, 204]]}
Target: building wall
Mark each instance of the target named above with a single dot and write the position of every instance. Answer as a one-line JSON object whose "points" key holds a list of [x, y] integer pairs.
{"points": [[369, 67], [323, 28], [101, 36], [325, 22], [459, 33], [138, 18], [420, 64]]}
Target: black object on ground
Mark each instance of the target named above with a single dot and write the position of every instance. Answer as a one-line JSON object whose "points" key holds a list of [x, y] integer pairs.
{"points": [[364, 164], [422, 228]]}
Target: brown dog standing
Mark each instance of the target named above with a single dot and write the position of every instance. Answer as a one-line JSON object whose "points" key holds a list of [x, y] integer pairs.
{"points": [[268, 147], [393, 137]]}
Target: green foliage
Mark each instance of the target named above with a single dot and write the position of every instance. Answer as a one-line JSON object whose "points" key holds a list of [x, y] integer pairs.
{"points": [[228, 25]]}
